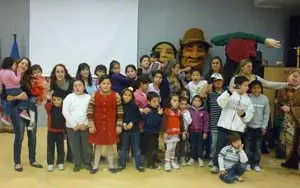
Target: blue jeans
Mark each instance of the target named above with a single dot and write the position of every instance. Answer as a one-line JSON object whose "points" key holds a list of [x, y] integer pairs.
{"points": [[8, 105], [19, 125], [134, 138], [196, 141], [236, 171], [253, 145]]}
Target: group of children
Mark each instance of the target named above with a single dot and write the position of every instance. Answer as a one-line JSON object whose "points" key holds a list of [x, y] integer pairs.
{"points": [[134, 119]]}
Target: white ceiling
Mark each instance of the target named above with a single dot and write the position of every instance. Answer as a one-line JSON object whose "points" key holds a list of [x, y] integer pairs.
{"points": [[276, 3]]}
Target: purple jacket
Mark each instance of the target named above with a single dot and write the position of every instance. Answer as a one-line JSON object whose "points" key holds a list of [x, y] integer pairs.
{"points": [[119, 82], [200, 120]]}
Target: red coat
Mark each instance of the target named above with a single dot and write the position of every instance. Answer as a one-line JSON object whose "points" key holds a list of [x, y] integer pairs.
{"points": [[173, 122], [105, 119]]}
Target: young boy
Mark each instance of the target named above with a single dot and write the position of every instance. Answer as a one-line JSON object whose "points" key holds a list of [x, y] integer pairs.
{"points": [[152, 126], [181, 148], [39, 84], [214, 111], [256, 128], [232, 160], [56, 129], [197, 87], [154, 61], [237, 110]]}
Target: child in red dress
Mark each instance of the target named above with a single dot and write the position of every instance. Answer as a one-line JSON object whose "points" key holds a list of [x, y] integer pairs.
{"points": [[105, 116]]}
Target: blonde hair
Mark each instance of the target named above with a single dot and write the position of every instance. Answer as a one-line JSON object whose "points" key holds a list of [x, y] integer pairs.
{"points": [[243, 62], [296, 71]]}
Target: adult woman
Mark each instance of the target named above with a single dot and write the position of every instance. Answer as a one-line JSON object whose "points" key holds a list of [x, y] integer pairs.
{"points": [[290, 136], [18, 123], [84, 73], [62, 83], [172, 73], [245, 69], [216, 66]]}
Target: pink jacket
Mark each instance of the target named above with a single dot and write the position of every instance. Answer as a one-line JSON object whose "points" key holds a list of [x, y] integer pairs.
{"points": [[10, 79]]}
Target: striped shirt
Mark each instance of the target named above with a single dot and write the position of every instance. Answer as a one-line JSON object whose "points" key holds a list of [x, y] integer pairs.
{"points": [[229, 156], [214, 110]]}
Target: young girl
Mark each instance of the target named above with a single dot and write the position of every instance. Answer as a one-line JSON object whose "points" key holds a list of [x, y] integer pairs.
{"points": [[84, 73], [155, 85], [75, 112], [100, 71], [10, 77], [56, 129], [140, 93], [105, 115], [130, 130], [172, 128], [198, 130], [130, 72], [119, 81], [216, 66], [197, 86], [214, 111], [186, 94], [39, 85]]}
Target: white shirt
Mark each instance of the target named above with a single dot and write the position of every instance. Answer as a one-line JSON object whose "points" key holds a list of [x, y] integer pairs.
{"points": [[75, 109], [151, 88], [195, 88]]}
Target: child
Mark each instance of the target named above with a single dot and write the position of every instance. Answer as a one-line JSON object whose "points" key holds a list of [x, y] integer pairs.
{"points": [[75, 111], [256, 128], [157, 79], [214, 110], [39, 84], [152, 126], [131, 72], [187, 120], [198, 130], [100, 71], [237, 110], [10, 77], [172, 128], [130, 130], [197, 87], [186, 94], [56, 129], [140, 93], [105, 115], [119, 81], [154, 61], [232, 160]]}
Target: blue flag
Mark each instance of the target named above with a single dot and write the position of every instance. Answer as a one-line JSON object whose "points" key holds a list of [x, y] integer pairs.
{"points": [[14, 53]]}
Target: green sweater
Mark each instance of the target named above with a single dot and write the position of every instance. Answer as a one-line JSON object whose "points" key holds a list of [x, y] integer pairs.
{"points": [[222, 40]]}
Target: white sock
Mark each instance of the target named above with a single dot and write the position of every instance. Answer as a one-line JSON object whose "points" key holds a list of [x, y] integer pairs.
{"points": [[32, 117], [110, 160]]}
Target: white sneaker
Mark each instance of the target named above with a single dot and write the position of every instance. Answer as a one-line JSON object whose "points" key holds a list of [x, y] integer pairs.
{"points": [[168, 167], [182, 161], [257, 169], [174, 165], [190, 162], [214, 169], [201, 163], [210, 164], [50, 168], [248, 168], [61, 166]]}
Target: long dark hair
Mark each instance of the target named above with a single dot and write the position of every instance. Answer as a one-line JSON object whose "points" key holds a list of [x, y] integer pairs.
{"points": [[111, 66], [7, 63], [26, 79], [131, 91], [82, 81], [210, 71], [82, 66], [53, 75]]}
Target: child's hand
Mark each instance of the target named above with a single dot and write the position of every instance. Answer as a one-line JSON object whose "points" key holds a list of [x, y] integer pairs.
{"points": [[49, 95], [92, 130], [76, 128], [165, 136], [125, 126], [146, 110], [285, 108], [263, 131], [240, 112], [223, 172], [241, 147], [119, 130], [129, 126], [204, 136], [184, 136], [160, 111], [82, 127]]}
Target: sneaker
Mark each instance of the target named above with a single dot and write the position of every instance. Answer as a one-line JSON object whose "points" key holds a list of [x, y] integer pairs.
{"points": [[61, 166], [239, 179], [76, 168], [210, 164], [50, 168], [25, 115], [248, 168], [5, 120], [94, 170], [141, 169], [174, 165], [257, 168], [190, 162], [168, 167], [113, 170], [201, 163], [182, 161], [214, 169]]}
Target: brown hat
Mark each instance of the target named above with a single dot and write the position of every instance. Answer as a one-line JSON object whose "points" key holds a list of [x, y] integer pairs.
{"points": [[194, 35]]}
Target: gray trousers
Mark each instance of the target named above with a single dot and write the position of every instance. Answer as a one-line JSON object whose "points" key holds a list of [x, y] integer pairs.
{"points": [[81, 149], [214, 138]]}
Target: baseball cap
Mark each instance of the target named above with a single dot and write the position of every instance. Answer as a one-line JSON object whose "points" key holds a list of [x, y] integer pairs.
{"points": [[216, 76]]}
